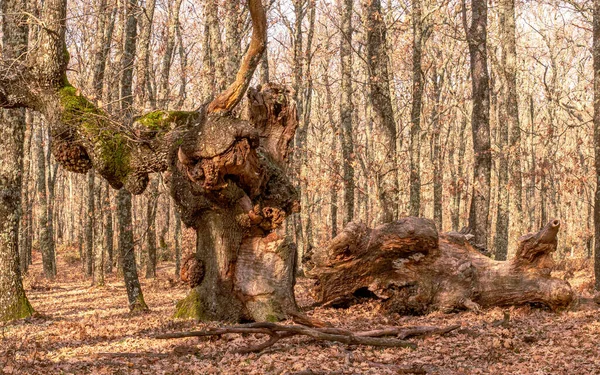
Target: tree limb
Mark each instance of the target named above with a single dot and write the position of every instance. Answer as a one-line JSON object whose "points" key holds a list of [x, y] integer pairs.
{"points": [[280, 331]]}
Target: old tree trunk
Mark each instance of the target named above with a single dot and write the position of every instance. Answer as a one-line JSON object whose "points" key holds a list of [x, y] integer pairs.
{"points": [[416, 270], [226, 174]]}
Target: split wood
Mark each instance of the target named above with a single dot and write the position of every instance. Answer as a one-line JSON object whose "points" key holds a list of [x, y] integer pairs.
{"points": [[277, 332]]}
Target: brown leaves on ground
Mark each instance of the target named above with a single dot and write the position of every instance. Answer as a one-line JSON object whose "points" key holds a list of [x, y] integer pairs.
{"points": [[88, 330]]}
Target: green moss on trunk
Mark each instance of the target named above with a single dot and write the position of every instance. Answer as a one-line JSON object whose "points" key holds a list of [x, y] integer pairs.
{"points": [[111, 151], [190, 307], [20, 310], [164, 120], [139, 305]]}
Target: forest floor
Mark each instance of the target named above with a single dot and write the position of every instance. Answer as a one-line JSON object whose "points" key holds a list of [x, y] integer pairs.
{"points": [[88, 330]]}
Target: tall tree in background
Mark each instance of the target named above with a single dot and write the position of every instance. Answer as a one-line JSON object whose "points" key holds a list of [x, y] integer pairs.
{"points": [[596, 53], [126, 245], [509, 132], [146, 18], [347, 107], [415, 117], [90, 223], [480, 119], [25, 226], [13, 302], [172, 24], [46, 237], [380, 96]]}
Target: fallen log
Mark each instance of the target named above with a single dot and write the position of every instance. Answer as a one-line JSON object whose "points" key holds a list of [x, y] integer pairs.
{"points": [[413, 270]]}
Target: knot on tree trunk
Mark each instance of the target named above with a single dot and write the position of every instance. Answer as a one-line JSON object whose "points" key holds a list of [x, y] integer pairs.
{"points": [[192, 270]]}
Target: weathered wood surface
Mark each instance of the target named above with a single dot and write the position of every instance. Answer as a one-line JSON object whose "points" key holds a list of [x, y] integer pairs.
{"points": [[415, 270]]}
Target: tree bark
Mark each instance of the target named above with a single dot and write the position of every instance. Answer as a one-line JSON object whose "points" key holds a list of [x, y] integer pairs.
{"points": [[151, 207], [417, 99], [145, 26], [127, 254], [108, 228], [436, 155], [508, 40], [480, 120], [380, 96], [126, 246], [218, 166], [416, 271], [172, 24], [26, 204], [509, 137], [346, 108], [46, 239], [177, 244], [99, 239], [90, 223], [596, 54], [13, 302]]}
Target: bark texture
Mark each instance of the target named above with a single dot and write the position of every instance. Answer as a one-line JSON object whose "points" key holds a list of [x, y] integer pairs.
{"points": [[346, 108], [13, 302], [480, 120], [596, 53], [415, 115], [380, 96], [226, 174], [416, 271]]}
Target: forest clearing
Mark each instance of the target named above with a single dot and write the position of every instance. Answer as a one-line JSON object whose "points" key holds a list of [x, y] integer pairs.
{"points": [[89, 330], [299, 187]]}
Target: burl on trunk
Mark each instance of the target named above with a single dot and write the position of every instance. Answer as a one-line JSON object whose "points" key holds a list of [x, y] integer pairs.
{"points": [[229, 182], [414, 270]]}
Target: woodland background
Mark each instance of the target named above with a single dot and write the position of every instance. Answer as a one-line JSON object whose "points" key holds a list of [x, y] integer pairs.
{"points": [[554, 91]]}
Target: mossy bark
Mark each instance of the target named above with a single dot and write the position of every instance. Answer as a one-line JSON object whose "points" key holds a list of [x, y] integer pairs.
{"points": [[13, 302], [247, 277]]}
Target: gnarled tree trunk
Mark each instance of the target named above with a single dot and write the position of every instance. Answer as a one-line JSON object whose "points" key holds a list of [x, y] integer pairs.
{"points": [[226, 174], [415, 270]]}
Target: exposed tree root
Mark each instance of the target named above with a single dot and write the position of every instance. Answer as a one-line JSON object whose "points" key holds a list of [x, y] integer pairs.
{"points": [[277, 332]]}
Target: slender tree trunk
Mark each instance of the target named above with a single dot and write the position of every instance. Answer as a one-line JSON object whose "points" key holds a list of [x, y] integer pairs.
{"points": [[510, 134], [99, 239], [335, 170], [347, 108], [108, 228], [596, 53], [480, 120], [233, 40], [177, 244], [46, 239], [417, 99], [533, 168], [127, 254], [89, 225], [51, 184], [183, 75], [13, 302], [26, 206], [146, 19], [152, 194], [438, 172], [508, 40], [126, 248], [380, 97], [216, 46], [167, 58]]}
